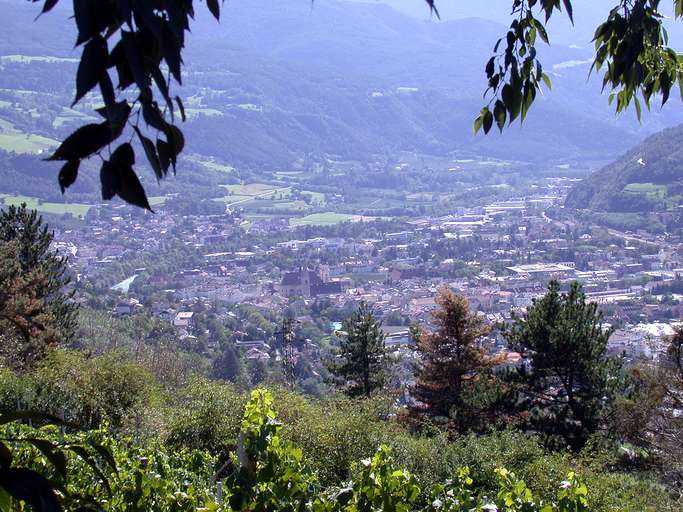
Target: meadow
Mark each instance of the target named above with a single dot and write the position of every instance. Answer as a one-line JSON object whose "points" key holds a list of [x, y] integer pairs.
{"points": [[74, 209]]}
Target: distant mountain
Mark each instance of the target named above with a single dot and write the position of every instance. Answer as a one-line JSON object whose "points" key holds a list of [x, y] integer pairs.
{"points": [[277, 81], [647, 178]]}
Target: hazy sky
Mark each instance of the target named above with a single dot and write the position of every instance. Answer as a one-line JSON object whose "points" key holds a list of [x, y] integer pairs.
{"points": [[587, 14]]}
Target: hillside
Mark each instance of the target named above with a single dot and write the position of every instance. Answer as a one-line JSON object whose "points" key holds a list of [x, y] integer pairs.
{"points": [[273, 83], [648, 178]]}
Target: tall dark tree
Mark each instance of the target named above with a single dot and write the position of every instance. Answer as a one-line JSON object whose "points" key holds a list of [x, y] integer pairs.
{"points": [[451, 361], [362, 361], [35, 313], [228, 365], [571, 380]]}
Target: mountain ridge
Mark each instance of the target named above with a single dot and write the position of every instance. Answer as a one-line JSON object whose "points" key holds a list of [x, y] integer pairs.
{"points": [[647, 178]]}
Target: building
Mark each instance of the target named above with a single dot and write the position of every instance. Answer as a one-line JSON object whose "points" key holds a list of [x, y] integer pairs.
{"points": [[309, 283], [184, 320]]}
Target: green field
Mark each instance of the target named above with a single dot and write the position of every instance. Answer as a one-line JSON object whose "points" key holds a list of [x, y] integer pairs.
{"points": [[257, 189], [74, 209], [14, 140], [69, 115], [211, 165], [650, 190], [233, 199], [157, 200], [326, 219]]}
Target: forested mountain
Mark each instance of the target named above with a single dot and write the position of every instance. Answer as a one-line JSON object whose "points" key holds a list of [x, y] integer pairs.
{"points": [[276, 81], [647, 178]]}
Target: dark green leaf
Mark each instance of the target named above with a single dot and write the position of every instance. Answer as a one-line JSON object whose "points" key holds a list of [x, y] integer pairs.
{"points": [[5, 456], [214, 8], [152, 115], [85, 141], [68, 174], [51, 452], [28, 486], [150, 153], [92, 18], [181, 107], [109, 180], [48, 6], [123, 156], [164, 152], [91, 67], [131, 189], [88, 459], [105, 453], [488, 121], [500, 113]]}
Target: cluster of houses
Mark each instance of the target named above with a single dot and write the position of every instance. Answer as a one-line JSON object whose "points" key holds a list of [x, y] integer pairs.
{"points": [[515, 248]]}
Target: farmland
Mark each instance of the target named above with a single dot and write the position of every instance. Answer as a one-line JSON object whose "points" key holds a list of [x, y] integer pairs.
{"points": [[13, 140], [326, 219], [74, 209]]}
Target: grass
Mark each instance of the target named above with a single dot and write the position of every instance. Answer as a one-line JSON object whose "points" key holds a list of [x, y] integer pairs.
{"points": [[74, 209], [233, 199], [14, 140], [326, 219], [157, 200], [254, 189], [650, 190], [69, 115], [212, 165], [277, 206]]}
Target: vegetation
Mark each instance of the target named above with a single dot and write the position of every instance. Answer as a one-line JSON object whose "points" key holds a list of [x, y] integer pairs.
{"points": [[571, 382], [452, 365], [35, 314], [141, 430], [646, 179], [146, 39], [361, 362]]}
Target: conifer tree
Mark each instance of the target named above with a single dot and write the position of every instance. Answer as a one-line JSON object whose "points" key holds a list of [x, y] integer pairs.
{"points": [[451, 361], [571, 380], [35, 314], [362, 360]]}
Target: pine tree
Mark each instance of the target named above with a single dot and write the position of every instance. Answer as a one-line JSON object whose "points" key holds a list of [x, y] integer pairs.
{"points": [[228, 365], [451, 360], [35, 314], [362, 360], [571, 380]]}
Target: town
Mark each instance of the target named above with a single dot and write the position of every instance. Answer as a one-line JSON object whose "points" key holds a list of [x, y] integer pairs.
{"points": [[500, 255]]}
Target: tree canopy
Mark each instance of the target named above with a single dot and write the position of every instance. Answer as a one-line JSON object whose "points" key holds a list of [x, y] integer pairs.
{"points": [[141, 43], [35, 313], [571, 381]]}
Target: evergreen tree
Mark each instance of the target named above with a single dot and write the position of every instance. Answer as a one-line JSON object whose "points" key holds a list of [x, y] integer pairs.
{"points": [[228, 365], [451, 362], [571, 380], [35, 313], [362, 359]]}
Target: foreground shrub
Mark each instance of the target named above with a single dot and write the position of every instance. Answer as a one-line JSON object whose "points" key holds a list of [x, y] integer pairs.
{"points": [[263, 473]]}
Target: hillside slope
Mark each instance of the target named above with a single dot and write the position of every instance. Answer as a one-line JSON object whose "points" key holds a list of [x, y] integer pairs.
{"points": [[276, 81], [647, 178]]}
